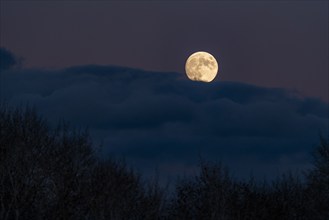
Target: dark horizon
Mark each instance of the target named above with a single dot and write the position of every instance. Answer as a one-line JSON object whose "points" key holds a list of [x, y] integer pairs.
{"points": [[56, 174]]}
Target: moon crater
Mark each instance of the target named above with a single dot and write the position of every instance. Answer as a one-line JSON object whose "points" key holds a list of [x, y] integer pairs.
{"points": [[201, 66]]}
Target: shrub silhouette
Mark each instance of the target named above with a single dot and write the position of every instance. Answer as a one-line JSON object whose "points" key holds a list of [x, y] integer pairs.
{"points": [[213, 194], [50, 173]]}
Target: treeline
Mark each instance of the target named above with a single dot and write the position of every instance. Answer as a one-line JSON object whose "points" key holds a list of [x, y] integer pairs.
{"points": [[48, 173]]}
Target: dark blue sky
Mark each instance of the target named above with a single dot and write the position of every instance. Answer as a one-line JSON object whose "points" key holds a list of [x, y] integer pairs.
{"points": [[268, 43], [118, 68]]}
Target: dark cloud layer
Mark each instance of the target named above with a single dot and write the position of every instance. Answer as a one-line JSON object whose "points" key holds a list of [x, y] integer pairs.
{"points": [[7, 59], [161, 119]]}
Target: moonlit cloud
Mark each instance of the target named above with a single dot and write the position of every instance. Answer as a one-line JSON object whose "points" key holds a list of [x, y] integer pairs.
{"points": [[161, 118]]}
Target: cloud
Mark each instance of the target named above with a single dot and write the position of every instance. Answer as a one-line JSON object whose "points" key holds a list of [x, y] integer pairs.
{"points": [[161, 118], [7, 59]]}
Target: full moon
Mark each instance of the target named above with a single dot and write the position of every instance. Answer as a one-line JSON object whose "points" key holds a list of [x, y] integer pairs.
{"points": [[201, 66]]}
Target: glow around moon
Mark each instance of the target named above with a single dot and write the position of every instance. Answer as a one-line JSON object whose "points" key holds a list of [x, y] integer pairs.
{"points": [[201, 66]]}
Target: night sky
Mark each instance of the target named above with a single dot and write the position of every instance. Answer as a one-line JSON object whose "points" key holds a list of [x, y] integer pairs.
{"points": [[118, 69]]}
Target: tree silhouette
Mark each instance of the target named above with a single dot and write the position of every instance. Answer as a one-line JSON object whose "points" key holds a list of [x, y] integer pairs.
{"points": [[318, 181], [54, 174], [48, 173]]}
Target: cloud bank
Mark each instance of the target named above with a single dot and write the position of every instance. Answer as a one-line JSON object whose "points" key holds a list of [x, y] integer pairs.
{"points": [[163, 120], [7, 59]]}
